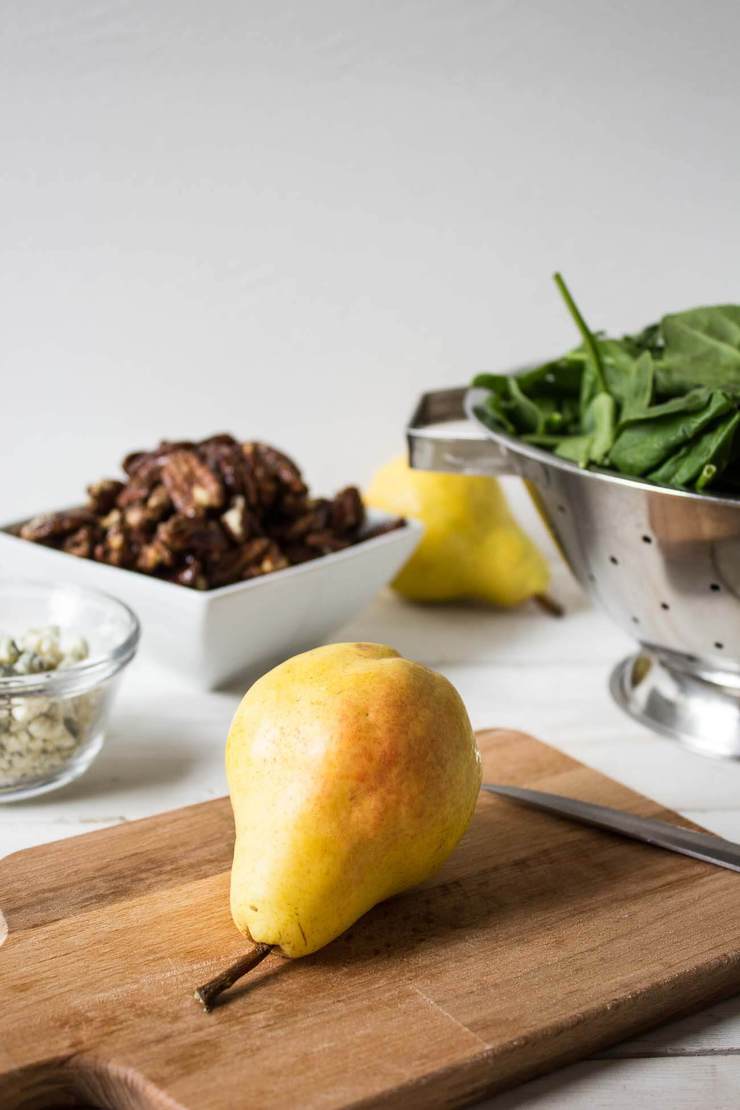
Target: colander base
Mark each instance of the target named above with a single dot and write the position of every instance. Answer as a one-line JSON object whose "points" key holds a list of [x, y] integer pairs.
{"points": [[700, 714]]}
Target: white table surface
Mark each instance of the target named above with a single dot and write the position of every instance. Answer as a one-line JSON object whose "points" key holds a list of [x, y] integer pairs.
{"points": [[525, 670]]}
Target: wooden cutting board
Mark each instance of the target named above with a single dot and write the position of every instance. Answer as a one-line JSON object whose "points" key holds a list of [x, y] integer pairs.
{"points": [[539, 942]]}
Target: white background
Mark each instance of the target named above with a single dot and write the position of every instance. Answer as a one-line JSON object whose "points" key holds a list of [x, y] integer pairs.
{"points": [[287, 218]]}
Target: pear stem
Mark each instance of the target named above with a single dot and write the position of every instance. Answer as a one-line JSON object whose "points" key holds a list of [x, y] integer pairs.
{"points": [[549, 605], [210, 991]]}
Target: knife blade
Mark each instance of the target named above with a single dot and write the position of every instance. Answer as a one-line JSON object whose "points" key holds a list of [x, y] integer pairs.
{"points": [[661, 834]]}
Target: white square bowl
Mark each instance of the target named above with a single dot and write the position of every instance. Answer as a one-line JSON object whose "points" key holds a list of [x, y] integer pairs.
{"points": [[213, 636]]}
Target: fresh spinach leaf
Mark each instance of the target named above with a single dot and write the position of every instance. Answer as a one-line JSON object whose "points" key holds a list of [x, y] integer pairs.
{"points": [[494, 414], [692, 401], [663, 403], [642, 447], [576, 449], [691, 465], [589, 340], [600, 421], [526, 413], [637, 391], [711, 452], [702, 347]]}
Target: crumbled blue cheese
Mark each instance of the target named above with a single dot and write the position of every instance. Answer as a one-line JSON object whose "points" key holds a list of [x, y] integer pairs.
{"points": [[38, 735]]}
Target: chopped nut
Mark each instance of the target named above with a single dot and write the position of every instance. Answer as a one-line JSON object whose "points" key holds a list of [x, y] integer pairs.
{"points": [[133, 460], [221, 439], [116, 548], [235, 520], [230, 568], [198, 536], [265, 556], [204, 515], [158, 502], [325, 542], [284, 469], [154, 555], [52, 527], [113, 519], [384, 528], [313, 518], [102, 495], [297, 553], [347, 511], [191, 575], [143, 480], [191, 484], [81, 542]]}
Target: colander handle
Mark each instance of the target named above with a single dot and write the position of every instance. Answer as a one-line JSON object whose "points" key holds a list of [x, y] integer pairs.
{"points": [[440, 437]]}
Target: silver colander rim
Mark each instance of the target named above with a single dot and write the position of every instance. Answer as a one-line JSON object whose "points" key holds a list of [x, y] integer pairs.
{"points": [[476, 396]]}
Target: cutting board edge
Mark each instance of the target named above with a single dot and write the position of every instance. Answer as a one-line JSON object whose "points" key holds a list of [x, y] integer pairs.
{"points": [[435, 1091]]}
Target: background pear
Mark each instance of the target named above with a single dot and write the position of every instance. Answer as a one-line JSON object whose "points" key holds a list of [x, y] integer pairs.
{"points": [[472, 546], [353, 773]]}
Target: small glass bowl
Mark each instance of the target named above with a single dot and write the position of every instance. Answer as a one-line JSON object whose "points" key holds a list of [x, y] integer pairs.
{"points": [[52, 724]]}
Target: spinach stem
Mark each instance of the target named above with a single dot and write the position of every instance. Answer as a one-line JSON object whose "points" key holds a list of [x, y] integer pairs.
{"points": [[588, 337]]}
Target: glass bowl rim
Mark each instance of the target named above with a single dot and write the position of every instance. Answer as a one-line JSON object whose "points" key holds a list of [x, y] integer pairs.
{"points": [[83, 675]]}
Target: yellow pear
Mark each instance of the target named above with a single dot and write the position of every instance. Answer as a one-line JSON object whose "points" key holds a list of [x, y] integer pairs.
{"points": [[472, 546], [353, 773]]}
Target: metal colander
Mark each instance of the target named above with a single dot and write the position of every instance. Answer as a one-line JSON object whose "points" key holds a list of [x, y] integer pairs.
{"points": [[663, 563]]}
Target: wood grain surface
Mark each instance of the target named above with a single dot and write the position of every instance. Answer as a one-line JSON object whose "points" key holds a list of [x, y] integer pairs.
{"points": [[538, 943]]}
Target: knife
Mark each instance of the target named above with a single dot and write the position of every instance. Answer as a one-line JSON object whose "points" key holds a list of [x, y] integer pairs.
{"points": [[661, 834]]}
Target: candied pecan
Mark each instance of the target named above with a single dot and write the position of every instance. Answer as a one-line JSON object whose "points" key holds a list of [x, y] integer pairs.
{"points": [[190, 575], [191, 484], [168, 446], [283, 468], [116, 548], [256, 557], [236, 519], [294, 504], [101, 496], [264, 487], [227, 460], [297, 553], [262, 557], [205, 514], [81, 542], [383, 529], [347, 512], [195, 534], [142, 481], [133, 460], [50, 528], [325, 542], [229, 568], [196, 537], [220, 439], [314, 518], [137, 517], [177, 532], [154, 555], [148, 459], [277, 476], [158, 502], [211, 544], [111, 519]]}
